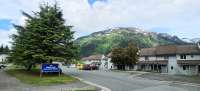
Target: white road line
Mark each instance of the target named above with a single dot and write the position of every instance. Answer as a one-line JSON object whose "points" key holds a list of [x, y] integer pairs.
{"points": [[93, 84]]}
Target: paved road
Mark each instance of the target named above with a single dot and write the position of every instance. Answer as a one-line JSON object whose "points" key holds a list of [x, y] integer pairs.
{"points": [[119, 81], [166, 77]]}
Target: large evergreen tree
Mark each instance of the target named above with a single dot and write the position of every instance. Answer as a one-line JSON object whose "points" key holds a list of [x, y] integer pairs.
{"points": [[44, 38]]}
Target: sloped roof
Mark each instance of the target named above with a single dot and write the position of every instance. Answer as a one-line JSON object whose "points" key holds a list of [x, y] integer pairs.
{"points": [[147, 51], [170, 50], [93, 57], [187, 49], [166, 50]]}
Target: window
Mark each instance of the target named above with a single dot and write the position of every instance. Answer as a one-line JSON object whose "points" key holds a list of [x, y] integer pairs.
{"points": [[185, 67], [166, 57], [146, 58], [183, 56], [192, 56], [172, 67]]}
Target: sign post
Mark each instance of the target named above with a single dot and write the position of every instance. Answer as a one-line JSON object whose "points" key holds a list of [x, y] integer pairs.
{"points": [[49, 68]]}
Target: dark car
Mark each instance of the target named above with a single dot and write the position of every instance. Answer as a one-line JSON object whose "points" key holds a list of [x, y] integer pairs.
{"points": [[90, 67], [93, 67], [86, 67]]}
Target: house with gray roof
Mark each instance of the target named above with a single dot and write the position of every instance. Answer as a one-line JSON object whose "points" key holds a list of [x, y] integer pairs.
{"points": [[172, 59], [92, 59]]}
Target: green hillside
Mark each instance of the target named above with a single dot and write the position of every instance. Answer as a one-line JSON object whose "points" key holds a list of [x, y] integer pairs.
{"points": [[102, 42]]}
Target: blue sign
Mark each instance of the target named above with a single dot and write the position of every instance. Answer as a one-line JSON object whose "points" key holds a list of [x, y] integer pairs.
{"points": [[50, 68]]}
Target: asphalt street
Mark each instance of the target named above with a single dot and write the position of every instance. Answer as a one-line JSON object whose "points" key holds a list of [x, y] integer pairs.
{"points": [[120, 81]]}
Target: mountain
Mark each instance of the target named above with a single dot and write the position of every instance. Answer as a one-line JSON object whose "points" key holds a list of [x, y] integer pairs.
{"points": [[102, 42], [191, 41], [195, 40]]}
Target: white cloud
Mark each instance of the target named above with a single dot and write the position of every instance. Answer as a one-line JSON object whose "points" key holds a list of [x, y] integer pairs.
{"points": [[5, 36], [182, 17]]}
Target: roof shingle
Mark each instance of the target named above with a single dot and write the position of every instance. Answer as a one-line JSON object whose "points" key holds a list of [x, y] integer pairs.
{"points": [[170, 50]]}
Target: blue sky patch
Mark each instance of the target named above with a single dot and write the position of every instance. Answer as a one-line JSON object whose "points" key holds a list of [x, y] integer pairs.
{"points": [[91, 2], [5, 24]]}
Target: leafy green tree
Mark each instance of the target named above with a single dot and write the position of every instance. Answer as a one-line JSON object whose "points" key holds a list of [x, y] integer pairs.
{"points": [[118, 58], [131, 54], [122, 57], [44, 38]]}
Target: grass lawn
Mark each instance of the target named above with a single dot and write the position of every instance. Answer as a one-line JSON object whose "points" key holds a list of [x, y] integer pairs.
{"points": [[33, 77]]}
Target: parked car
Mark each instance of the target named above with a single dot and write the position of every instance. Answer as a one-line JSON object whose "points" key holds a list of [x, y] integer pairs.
{"points": [[94, 67], [2, 66], [79, 66], [90, 67]]}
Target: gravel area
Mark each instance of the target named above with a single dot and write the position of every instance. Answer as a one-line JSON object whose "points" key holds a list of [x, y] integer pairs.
{"points": [[8, 83]]}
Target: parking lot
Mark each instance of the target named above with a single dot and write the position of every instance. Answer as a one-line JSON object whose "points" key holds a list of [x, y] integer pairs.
{"points": [[124, 81], [174, 78]]}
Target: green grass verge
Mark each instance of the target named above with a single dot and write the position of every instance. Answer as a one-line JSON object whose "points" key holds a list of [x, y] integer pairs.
{"points": [[33, 77]]}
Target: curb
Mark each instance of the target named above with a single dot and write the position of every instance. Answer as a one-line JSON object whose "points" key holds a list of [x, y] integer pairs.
{"points": [[93, 84]]}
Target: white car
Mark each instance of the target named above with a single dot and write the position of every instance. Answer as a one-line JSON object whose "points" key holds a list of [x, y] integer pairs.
{"points": [[2, 66]]}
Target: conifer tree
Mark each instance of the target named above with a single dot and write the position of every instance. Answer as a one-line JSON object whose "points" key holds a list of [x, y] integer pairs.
{"points": [[43, 39]]}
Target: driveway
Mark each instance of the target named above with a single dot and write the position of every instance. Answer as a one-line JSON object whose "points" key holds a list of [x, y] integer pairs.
{"points": [[120, 81], [8, 83]]}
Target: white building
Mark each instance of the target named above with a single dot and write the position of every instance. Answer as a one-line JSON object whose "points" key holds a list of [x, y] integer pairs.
{"points": [[3, 57], [172, 59], [93, 59], [104, 62]]}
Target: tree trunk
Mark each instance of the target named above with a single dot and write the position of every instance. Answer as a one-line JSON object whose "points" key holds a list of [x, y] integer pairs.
{"points": [[51, 61], [29, 67]]}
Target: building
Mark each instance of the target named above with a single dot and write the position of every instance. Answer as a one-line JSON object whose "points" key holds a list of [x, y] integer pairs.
{"points": [[104, 62], [172, 59], [3, 57], [92, 59]]}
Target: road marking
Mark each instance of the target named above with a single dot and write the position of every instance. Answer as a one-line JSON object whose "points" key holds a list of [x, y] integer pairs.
{"points": [[93, 84]]}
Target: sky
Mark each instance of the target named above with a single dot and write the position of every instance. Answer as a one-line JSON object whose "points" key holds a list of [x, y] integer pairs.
{"points": [[176, 17]]}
